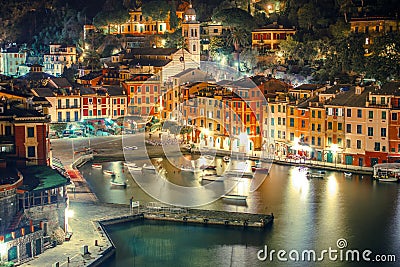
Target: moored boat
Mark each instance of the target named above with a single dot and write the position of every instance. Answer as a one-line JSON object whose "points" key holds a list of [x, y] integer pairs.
{"points": [[347, 174], [212, 179], [97, 166], [134, 168], [235, 197], [389, 179], [114, 183], [310, 175], [108, 172], [130, 164], [150, 167], [226, 159]]}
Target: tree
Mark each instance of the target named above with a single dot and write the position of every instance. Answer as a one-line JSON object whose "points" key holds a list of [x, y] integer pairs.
{"points": [[238, 37], [235, 18], [383, 63], [92, 58], [157, 10]]}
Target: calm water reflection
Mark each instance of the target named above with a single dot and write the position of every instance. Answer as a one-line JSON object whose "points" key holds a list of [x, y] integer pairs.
{"points": [[309, 214]]}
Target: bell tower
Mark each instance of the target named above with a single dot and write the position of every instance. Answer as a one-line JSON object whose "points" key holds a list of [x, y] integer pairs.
{"points": [[191, 33]]}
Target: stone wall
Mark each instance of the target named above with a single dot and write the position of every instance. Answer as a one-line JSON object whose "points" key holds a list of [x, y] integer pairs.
{"points": [[54, 214]]}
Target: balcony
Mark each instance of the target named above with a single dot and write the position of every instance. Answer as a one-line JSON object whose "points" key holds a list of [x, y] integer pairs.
{"points": [[68, 106]]}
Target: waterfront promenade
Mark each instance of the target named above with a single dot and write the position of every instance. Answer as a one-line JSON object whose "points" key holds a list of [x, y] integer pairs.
{"points": [[87, 211]]}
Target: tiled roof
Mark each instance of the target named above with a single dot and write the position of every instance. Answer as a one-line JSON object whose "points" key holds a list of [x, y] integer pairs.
{"points": [[140, 62], [36, 76], [390, 88], [151, 51], [180, 74], [115, 91], [44, 92], [309, 87], [87, 91], [61, 82], [350, 99], [90, 76]]}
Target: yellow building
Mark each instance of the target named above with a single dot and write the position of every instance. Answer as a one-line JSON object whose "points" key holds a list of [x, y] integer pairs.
{"points": [[373, 27]]}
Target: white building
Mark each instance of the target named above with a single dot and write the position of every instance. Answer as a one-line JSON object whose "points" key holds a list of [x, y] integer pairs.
{"points": [[10, 59], [60, 56]]}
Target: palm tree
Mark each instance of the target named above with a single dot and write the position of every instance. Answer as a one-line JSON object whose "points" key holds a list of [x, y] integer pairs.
{"points": [[238, 37]]}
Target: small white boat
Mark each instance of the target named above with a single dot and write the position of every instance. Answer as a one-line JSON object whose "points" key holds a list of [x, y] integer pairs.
{"points": [[235, 197], [226, 159], [388, 179], [239, 173], [108, 172], [310, 175], [114, 183], [347, 174], [150, 167], [134, 168], [212, 179], [130, 164], [97, 166]]}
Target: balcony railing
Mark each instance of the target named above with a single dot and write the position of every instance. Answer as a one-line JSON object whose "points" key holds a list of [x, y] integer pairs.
{"points": [[68, 106]]}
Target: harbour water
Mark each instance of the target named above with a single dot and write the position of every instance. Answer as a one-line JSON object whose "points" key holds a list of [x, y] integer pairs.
{"points": [[309, 215]]}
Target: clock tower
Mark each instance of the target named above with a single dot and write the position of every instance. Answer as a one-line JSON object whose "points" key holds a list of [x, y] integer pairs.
{"points": [[191, 33]]}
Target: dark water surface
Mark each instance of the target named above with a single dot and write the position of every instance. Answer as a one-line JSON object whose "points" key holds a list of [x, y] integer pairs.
{"points": [[309, 215]]}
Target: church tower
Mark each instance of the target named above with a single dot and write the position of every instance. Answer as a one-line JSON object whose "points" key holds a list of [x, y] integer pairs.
{"points": [[191, 33]]}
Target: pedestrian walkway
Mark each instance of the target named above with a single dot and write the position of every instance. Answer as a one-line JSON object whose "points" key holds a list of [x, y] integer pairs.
{"points": [[85, 232]]}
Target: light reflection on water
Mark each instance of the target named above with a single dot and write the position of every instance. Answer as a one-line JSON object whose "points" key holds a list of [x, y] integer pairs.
{"points": [[309, 214]]}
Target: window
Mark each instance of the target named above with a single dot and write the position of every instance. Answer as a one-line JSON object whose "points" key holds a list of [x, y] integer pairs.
{"points": [[339, 126], [377, 146], [329, 125], [319, 114], [272, 121], [291, 136], [348, 143], [291, 111], [272, 109], [279, 106], [358, 144], [383, 115], [291, 122], [247, 117], [279, 121], [359, 113], [329, 140], [31, 152], [348, 128], [303, 123], [313, 140], [139, 89], [359, 129], [313, 113], [340, 141], [370, 131], [155, 88], [313, 127], [370, 114], [383, 101], [373, 100], [349, 113], [319, 141], [394, 116], [383, 132], [31, 132]]}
